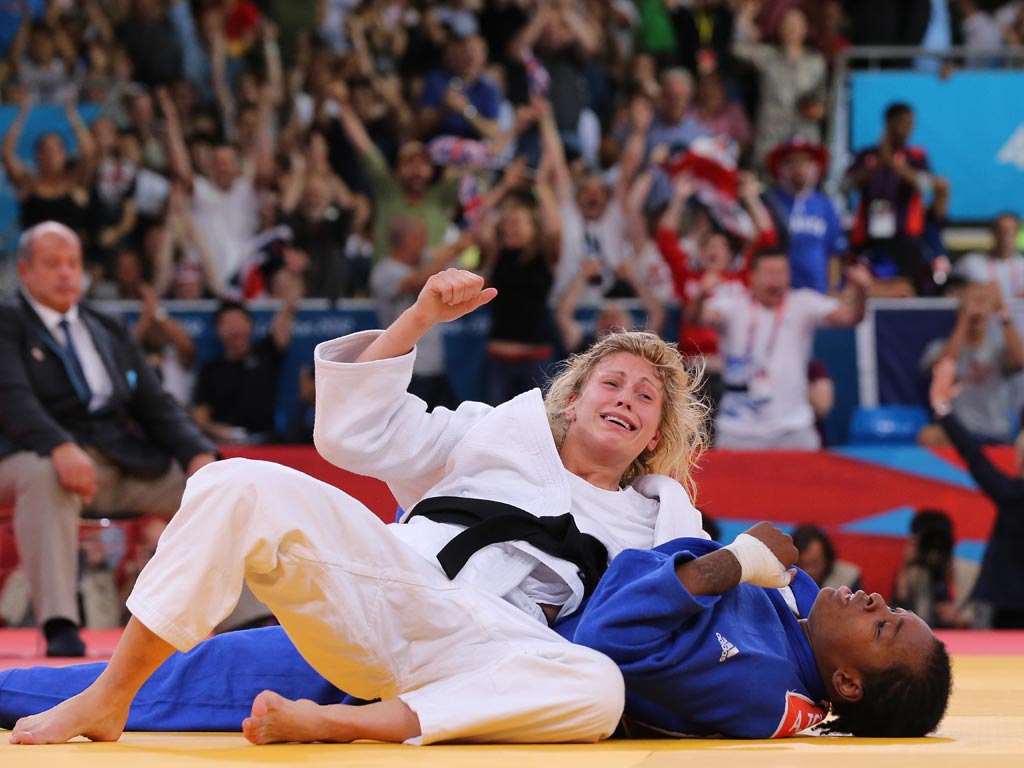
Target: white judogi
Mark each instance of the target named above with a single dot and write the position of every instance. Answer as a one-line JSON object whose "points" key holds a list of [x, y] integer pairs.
{"points": [[367, 604]]}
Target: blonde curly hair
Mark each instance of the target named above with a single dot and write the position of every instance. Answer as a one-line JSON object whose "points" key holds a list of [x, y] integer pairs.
{"points": [[683, 413]]}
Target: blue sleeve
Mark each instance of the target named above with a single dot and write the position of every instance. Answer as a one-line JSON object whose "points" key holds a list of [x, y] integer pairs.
{"points": [[637, 607], [433, 90], [488, 100]]}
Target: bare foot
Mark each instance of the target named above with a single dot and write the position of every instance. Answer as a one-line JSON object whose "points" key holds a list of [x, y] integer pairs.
{"points": [[83, 715], [275, 719]]}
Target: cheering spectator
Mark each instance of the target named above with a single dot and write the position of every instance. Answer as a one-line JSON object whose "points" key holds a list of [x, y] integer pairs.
{"points": [[593, 221], [225, 205], [149, 38], [168, 346], [1003, 265], [458, 100], [59, 189], [409, 190], [986, 361], [805, 216], [520, 254], [698, 341], [766, 334], [236, 394], [718, 116], [41, 57], [674, 125], [791, 78]]}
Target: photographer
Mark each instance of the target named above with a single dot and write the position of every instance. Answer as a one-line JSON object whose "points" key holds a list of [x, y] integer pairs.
{"points": [[931, 582]]}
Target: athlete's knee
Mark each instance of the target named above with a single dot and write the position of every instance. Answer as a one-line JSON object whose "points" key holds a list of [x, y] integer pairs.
{"points": [[600, 693]]}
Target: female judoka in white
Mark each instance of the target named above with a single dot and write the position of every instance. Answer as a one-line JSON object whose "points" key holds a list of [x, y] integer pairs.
{"points": [[368, 605]]}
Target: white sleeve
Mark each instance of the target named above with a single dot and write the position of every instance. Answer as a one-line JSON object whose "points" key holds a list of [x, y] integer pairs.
{"points": [[367, 423]]}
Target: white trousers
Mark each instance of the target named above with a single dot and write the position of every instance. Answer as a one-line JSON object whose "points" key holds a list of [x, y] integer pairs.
{"points": [[369, 614]]}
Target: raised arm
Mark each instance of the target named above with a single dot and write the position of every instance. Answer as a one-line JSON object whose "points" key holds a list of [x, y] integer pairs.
{"points": [[16, 171], [569, 329], [263, 147], [446, 296], [641, 115], [553, 153], [1014, 360], [350, 122], [854, 301], [85, 166], [1001, 488], [177, 153]]}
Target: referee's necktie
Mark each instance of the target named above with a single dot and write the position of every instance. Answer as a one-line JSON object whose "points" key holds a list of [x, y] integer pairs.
{"points": [[82, 385]]}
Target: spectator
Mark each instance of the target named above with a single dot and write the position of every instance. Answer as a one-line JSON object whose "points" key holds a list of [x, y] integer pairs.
{"points": [[821, 394], [718, 116], [410, 190], [890, 179], [932, 582], [675, 126], [981, 32], [85, 426], [593, 221], [236, 393], [395, 283], [298, 427], [42, 58], [804, 215], [818, 559], [112, 215], [986, 362], [694, 285], [169, 348], [1000, 583], [148, 36], [791, 78], [560, 41], [59, 189], [520, 257], [611, 315], [766, 334], [1003, 265], [178, 249], [226, 204], [458, 100], [704, 32]]}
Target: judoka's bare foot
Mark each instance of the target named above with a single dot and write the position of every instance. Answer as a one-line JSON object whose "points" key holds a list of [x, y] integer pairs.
{"points": [[275, 719], [86, 714]]}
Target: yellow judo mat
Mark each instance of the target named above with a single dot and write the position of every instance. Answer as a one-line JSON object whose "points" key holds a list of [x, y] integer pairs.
{"points": [[984, 727]]}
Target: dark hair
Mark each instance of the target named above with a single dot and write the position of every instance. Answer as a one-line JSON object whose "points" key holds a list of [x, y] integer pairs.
{"points": [[768, 252], [896, 702], [897, 109], [229, 305], [806, 534]]}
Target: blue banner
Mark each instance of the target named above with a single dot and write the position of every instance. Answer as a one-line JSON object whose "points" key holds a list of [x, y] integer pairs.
{"points": [[971, 124]]}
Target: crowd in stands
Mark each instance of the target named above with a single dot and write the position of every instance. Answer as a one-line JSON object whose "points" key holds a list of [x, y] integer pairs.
{"points": [[574, 152]]}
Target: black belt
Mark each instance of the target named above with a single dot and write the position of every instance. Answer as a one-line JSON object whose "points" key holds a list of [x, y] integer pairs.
{"points": [[490, 522]]}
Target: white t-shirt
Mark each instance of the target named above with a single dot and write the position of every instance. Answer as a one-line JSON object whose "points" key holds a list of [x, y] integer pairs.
{"points": [[604, 238], [982, 268], [229, 219], [766, 353]]}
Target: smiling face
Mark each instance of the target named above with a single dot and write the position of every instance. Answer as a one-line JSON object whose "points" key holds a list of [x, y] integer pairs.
{"points": [[617, 414], [854, 633]]}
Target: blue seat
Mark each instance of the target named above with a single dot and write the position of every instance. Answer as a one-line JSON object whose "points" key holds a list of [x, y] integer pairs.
{"points": [[887, 424]]}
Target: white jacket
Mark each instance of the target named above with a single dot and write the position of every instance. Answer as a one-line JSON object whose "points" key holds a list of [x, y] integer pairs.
{"points": [[367, 423]]}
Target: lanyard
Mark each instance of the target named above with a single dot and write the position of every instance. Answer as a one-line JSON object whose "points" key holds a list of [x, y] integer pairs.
{"points": [[773, 335], [993, 274]]}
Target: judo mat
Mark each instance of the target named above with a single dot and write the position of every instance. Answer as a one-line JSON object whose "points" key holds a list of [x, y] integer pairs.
{"points": [[984, 727]]}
